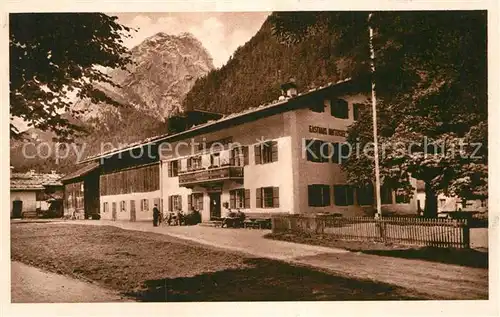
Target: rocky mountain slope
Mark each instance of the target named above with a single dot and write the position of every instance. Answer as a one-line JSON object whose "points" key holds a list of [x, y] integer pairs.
{"points": [[165, 67]]}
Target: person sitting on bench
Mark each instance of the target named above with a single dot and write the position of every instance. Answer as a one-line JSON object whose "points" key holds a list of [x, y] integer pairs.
{"points": [[229, 220], [240, 217]]}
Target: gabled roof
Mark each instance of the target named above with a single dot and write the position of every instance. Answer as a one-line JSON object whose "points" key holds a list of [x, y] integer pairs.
{"points": [[33, 181], [198, 128], [80, 172]]}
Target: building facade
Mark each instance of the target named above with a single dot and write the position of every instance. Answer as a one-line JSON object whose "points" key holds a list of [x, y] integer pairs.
{"points": [[35, 194], [262, 160]]}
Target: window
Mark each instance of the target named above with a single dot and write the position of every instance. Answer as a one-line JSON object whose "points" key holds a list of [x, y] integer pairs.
{"points": [[194, 163], [484, 203], [318, 106], [239, 156], [319, 195], [144, 205], [343, 195], [113, 207], [195, 201], [267, 197], [318, 151], [175, 203], [339, 109], [122, 206], [105, 207], [402, 197], [341, 151], [239, 198], [385, 195], [266, 152], [364, 195], [69, 201], [355, 110], [215, 159], [173, 168], [198, 200], [79, 202]]}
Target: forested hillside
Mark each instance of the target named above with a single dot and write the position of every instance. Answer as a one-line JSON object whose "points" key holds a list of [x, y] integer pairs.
{"points": [[256, 70]]}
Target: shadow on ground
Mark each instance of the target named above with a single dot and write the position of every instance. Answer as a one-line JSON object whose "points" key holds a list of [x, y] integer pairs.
{"points": [[463, 257], [267, 280]]}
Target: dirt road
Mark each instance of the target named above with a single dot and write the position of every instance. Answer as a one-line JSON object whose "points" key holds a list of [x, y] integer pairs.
{"points": [[32, 285], [432, 280]]}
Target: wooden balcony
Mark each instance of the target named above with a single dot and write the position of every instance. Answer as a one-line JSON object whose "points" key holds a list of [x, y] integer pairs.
{"points": [[207, 177]]}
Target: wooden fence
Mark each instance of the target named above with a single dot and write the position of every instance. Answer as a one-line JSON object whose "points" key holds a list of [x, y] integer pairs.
{"points": [[411, 231]]}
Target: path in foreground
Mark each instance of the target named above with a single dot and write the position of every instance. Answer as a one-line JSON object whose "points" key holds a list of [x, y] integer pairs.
{"points": [[434, 280], [32, 285], [156, 267]]}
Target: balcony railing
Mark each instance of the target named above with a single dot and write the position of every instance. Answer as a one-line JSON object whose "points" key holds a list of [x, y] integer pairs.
{"points": [[210, 175]]}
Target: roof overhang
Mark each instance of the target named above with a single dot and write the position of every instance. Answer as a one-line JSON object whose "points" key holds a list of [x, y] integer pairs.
{"points": [[275, 107], [80, 172]]}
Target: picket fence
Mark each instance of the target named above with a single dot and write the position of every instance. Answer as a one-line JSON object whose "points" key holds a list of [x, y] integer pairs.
{"points": [[443, 233]]}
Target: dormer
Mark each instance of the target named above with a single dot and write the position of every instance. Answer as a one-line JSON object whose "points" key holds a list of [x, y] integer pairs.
{"points": [[289, 89]]}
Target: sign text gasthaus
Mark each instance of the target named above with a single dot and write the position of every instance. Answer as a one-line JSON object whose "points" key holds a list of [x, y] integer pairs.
{"points": [[326, 131]]}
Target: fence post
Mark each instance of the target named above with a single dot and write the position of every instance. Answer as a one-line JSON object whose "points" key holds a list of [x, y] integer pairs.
{"points": [[380, 224], [466, 233]]}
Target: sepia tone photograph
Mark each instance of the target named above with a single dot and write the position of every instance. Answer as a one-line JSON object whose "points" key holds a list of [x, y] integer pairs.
{"points": [[248, 156]]}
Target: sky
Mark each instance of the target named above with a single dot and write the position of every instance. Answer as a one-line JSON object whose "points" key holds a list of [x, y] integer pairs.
{"points": [[220, 32]]}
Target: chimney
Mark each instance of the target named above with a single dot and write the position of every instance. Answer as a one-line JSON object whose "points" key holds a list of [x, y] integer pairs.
{"points": [[289, 89]]}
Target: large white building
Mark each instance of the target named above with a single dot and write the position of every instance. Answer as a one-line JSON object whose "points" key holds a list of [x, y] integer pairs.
{"points": [[256, 160]]}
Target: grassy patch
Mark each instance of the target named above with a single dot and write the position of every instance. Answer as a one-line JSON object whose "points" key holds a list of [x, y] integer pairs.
{"points": [[155, 267], [463, 257]]}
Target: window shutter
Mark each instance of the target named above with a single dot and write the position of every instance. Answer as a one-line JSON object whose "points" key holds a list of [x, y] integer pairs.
{"points": [[355, 110], [350, 195], [245, 155], [247, 198], [326, 195], [180, 201], [258, 197], [336, 153], [311, 195], [276, 197], [232, 158], [274, 151], [190, 202], [325, 151], [169, 203], [257, 154], [200, 201], [232, 199]]}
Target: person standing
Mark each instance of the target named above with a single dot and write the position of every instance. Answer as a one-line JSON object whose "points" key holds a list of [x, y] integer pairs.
{"points": [[156, 215]]}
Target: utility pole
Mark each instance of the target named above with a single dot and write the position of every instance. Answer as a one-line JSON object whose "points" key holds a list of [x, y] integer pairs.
{"points": [[374, 111]]}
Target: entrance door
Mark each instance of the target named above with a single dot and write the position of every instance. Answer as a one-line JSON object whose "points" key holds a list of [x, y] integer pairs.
{"points": [[132, 210], [113, 211], [215, 208], [17, 209]]}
